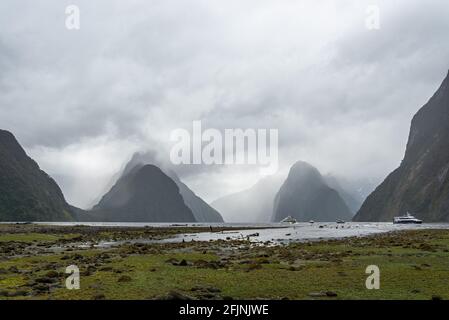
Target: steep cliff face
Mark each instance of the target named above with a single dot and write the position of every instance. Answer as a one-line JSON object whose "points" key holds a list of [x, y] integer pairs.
{"points": [[144, 194], [421, 183], [305, 196], [26, 192]]}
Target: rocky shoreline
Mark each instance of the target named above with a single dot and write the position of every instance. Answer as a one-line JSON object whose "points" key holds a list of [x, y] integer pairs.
{"points": [[414, 265]]}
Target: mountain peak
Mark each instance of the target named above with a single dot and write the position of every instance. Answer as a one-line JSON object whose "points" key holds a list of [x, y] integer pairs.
{"points": [[7, 139], [303, 166], [145, 194], [201, 210], [305, 196], [304, 171]]}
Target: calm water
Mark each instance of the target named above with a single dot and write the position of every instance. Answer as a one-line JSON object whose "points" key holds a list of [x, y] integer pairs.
{"points": [[304, 231], [274, 232]]}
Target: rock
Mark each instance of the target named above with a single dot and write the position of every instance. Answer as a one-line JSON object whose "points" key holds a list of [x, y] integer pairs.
{"points": [[106, 269], [77, 257], [96, 286], [4, 293], [99, 296], [183, 263], [13, 269], [254, 234], [40, 287], [331, 294], [175, 295], [253, 266], [18, 293], [317, 294], [205, 289], [44, 280], [124, 278], [52, 274]]}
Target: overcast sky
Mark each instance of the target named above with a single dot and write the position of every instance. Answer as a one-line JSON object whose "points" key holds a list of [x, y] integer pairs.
{"points": [[81, 102]]}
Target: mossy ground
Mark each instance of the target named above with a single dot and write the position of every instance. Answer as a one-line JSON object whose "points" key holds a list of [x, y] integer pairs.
{"points": [[413, 265]]}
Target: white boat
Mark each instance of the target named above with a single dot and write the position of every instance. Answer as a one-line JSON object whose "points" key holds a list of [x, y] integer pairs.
{"points": [[407, 219], [340, 221], [289, 219]]}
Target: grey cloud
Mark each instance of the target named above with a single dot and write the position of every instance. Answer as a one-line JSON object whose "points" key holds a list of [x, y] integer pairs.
{"points": [[138, 69]]}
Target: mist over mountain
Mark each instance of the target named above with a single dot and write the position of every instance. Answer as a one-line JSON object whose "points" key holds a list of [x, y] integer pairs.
{"points": [[144, 194], [421, 183], [26, 192], [306, 196], [252, 205], [202, 211], [352, 197]]}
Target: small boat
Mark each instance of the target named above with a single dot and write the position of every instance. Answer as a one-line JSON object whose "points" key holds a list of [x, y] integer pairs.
{"points": [[407, 219], [289, 219], [311, 222], [340, 221]]}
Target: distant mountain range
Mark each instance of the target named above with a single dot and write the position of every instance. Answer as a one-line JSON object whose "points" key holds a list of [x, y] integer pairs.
{"points": [[143, 193], [421, 183], [148, 191], [257, 203]]}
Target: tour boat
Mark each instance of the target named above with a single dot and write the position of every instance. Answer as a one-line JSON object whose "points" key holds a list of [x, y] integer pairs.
{"points": [[289, 219], [408, 218]]}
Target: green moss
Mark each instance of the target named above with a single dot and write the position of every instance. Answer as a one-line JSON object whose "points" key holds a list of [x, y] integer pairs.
{"points": [[31, 237], [416, 271]]}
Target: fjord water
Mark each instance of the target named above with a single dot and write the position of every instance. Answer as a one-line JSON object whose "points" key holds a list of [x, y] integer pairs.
{"points": [[273, 232]]}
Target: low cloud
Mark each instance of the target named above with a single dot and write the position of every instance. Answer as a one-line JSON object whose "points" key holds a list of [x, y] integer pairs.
{"points": [[82, 102]]}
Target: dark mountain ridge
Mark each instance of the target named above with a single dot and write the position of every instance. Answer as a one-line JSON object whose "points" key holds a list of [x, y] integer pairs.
{"points": [[26, 192], [421, 183], [144, 194], [201, 210]]}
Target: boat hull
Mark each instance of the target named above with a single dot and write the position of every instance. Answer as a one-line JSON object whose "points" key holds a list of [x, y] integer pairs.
{"points": [[407, 222]]}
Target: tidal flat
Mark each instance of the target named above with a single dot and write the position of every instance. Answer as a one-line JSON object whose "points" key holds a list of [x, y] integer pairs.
{"points": [[413, 264]]}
